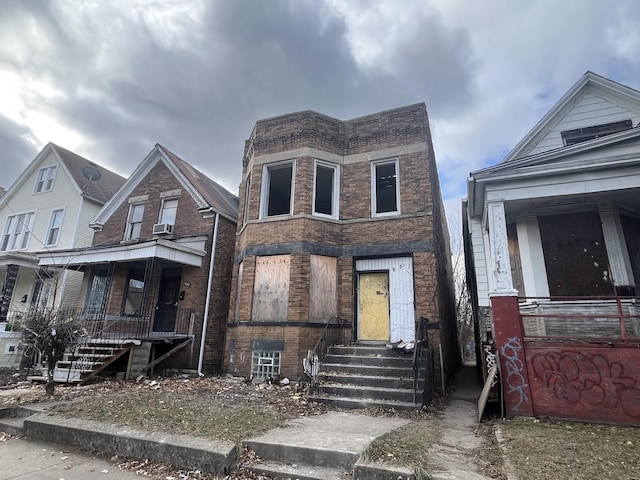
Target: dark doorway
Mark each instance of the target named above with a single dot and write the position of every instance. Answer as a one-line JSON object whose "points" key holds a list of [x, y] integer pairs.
{"points": [[168, 294]]}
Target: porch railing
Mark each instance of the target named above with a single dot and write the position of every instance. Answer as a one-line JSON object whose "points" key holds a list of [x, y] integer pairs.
{"points": [[98, 325], [332, 334], [603, 319]]}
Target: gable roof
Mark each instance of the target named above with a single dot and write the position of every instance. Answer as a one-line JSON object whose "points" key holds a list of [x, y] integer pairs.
{"points": [[102, 189], [217, 196], [99, 190], [208, 195], [616, 94]]}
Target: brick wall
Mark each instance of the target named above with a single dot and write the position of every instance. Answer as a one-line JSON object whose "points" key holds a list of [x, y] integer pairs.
{"points": [[419, 231]]}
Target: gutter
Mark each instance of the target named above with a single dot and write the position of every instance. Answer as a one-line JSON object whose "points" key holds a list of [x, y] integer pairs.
{"points": [[214, 243]]}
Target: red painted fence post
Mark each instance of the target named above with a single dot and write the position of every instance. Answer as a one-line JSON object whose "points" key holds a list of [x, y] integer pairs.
{"points": [[509, 334]]}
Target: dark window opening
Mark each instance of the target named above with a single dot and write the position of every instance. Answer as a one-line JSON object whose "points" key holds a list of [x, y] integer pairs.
{"points": [[279, 190], [579, 135], [386, 188], [324, 190]]}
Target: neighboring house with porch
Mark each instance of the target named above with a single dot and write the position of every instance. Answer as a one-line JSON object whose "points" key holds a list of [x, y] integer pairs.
{"points": [[48, 207], [157, 277], [342, 239], [553, 257]]}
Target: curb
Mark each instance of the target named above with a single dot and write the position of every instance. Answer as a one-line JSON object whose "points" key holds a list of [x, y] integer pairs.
{"points": [[508, 466], [181, 450]]}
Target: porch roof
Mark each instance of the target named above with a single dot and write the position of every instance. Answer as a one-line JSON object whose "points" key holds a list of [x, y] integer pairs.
{"points": [[22, 259], [186, 252]]}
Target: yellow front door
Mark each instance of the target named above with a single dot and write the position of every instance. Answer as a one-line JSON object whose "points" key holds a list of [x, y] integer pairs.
{"points": [[374, 306]]}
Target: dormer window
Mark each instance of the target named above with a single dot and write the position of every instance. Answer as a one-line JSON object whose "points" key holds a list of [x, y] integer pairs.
{"points": [[579, 135], [44, 182]]}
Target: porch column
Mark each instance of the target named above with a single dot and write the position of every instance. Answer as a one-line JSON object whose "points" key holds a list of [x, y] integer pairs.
{"points": [[499, 250], [534, 271], [514, 376], [619, 262]]}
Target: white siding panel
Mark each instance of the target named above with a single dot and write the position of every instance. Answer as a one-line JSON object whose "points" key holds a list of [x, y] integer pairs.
{"points": [[401, 298], [590, 110]]}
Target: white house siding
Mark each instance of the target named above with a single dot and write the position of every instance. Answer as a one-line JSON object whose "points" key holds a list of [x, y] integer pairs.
{"points": [[401, 298], [479, 261], [84, 234], [588, 111]]}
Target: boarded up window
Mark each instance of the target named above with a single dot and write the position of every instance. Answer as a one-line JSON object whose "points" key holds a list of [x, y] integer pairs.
{"points": [[323, 299], [575, 255], [271, 288]]}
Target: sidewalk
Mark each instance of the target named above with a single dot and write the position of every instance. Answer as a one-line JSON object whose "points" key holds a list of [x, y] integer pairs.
{"points": [[453, 453], [34, 460]]}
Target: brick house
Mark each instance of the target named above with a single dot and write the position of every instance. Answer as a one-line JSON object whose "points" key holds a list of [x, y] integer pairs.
{"points": [[157, 277], [342, 227], [552, 237]]}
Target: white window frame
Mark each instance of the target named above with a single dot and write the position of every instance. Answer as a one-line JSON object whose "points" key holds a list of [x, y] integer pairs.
{"points": [[374, 206], [23, 233], [9, 347], [335, 198], [128, 232], [45, 179], [266, 181], [51, 226], [162, 210]]}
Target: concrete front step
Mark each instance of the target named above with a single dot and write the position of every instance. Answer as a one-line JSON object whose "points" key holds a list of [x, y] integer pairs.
{"points": [[362, 403], [370, 350], [301, 454], [360, 392], [294, 471], [370, 360], [369, 380], [367, 370]]}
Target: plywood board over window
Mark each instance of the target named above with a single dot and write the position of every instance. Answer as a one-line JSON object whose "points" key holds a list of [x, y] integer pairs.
{"points": [[323, 299], [271, 288]]}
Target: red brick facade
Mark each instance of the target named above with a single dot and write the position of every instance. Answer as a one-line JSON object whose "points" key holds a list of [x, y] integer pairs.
{"points": [[417, 231], [160, 182]]}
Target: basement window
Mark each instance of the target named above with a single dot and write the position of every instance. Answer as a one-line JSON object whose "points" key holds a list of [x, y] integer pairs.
{"points": [[277, 189], [265, 364], [579, 135]]}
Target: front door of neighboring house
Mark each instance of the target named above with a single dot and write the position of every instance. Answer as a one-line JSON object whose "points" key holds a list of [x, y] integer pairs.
{"points": [[168, 295], [373, 306]]}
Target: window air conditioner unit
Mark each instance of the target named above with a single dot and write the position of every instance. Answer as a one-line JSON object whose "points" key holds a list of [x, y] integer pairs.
{"points": [[162, 229]]}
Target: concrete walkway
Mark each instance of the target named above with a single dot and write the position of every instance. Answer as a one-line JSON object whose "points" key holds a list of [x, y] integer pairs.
{"points": [[453, 454], [34, 460]]}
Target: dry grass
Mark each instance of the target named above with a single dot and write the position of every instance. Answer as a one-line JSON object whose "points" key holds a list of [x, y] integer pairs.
{"points": [[406, 446], [543, 450]]}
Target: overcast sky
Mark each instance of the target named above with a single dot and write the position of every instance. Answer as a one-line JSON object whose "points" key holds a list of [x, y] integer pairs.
{"points": [[110, 79]]}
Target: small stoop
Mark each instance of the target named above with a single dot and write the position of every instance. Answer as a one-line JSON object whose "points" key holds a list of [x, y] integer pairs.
{"points": [[323, 447], [365, 376], [87, 360]]}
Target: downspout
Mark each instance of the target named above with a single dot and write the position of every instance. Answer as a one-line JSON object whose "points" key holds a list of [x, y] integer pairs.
{"points": [[214, 244]]}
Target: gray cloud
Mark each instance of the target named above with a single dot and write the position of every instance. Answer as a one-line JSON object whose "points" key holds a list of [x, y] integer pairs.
{"points": [[16, 151], [124, 89]]}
